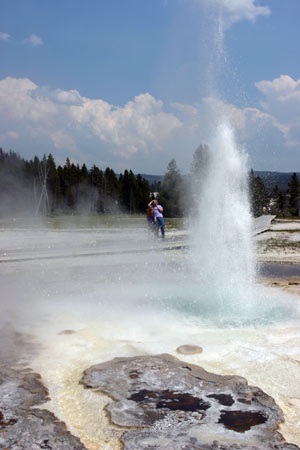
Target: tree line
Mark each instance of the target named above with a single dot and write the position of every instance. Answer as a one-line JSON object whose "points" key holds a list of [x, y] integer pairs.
{"points": [[39, 186], [68, 188], [282, 202], [178, 194]]}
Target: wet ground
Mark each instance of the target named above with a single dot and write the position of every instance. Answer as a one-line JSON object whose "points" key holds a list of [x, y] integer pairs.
{"points": [[277, 270], [73, 296]]}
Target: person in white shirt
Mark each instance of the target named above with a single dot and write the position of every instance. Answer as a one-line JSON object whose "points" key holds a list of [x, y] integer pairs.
{"points": [[159, 218]]}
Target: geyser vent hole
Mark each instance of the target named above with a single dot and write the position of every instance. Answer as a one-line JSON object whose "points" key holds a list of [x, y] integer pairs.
{"points": [[241, 421], [171, 400]]}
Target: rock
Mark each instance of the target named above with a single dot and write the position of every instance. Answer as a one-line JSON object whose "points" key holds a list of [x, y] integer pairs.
{"points": [[67, 332], [169, 404], [25, 427], [189, 349]]}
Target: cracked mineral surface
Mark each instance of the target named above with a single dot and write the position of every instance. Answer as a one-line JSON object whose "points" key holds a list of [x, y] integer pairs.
{"points": [[23, 426], [168, 404]]}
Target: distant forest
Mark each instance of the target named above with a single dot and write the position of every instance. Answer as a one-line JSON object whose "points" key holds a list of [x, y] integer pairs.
{"points": [[270, 179], [39, 187]]}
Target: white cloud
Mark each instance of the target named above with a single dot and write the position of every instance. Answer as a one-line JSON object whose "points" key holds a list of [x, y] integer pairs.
{"points": [[4, 36], [34, 40], [140, 126], [278, 114], [254, 130], [59, 96], [201, 119], [234, 11], [17, 104], [143, 131], [282, 102], [62, 139]]}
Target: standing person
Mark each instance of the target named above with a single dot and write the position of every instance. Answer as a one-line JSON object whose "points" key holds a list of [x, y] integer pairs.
{"points": [[150, 215], [159, 218]]}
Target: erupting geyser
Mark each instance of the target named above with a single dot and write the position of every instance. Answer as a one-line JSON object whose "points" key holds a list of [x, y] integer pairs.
{"points": [[222, 250], [82, 295]]}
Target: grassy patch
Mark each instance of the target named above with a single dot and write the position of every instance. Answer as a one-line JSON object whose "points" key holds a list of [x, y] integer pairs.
{"points": [[176, 223], [272, 244]]}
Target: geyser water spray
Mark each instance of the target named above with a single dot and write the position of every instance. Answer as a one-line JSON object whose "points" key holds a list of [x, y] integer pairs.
{"points": [[221, 229], [222, 257]]}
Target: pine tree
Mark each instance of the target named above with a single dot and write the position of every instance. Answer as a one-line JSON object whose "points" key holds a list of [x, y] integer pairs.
{"points": [[294, 191], [259, 195], [143, 193], [171, 191], [110, 191], [124, 190], [95, 182], [51, 181], [69, 188]]}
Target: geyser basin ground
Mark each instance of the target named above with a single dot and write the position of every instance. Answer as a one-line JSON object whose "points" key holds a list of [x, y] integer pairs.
{"points": [[125, 295]]}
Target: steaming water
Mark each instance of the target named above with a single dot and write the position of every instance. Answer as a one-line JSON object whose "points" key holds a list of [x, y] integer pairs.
{"points": [[222, 244], [84, 296], [122, 294]]}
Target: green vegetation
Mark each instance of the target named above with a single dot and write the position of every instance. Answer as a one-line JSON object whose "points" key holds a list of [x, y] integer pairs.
{"points": [[284, 203], [171, 191], [259, 195], [39, 187]]}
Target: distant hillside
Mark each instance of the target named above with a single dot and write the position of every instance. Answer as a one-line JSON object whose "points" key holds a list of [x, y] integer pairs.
{"points": [[271, 179], [152, 178]]}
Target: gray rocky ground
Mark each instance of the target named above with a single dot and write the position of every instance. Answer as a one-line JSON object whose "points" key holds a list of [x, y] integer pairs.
{"points": [[23, 426], [281, 243], [168, 404]]}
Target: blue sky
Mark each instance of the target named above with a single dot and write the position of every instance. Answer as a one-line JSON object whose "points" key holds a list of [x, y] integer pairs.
{"points": [[134, 83]]}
